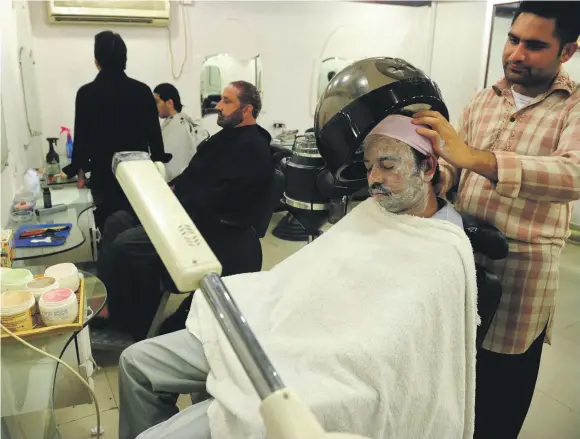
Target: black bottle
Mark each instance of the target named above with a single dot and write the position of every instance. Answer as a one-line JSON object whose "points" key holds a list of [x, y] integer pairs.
{"points": [[52, 161], [47, 198], [52, 156]]}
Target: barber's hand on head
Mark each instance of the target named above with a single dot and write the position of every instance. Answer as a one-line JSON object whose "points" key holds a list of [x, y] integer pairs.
{"points": [[445, 140]]}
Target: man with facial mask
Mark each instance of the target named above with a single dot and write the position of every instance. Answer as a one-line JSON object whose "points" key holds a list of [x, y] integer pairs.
{"points": [[402, 172]]}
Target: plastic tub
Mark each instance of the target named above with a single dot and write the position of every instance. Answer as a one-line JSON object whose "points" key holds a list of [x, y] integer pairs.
{"points": [[66, 274], [17, 310], [58, 307], [15, 279], [23, 206], [41, 285]]}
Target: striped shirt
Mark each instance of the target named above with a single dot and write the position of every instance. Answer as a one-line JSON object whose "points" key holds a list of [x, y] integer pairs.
{"points": [[538, 154]]}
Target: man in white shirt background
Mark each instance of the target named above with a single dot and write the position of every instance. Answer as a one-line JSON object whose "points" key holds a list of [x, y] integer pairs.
{"points": [[181, 134]]}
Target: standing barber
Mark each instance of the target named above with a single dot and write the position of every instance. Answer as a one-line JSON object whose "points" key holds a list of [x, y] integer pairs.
{"points": [[519, 155], [113, 113], [181, 134]]}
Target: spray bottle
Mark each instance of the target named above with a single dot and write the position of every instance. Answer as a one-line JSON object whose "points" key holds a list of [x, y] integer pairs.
{"points": [[69, 143]]}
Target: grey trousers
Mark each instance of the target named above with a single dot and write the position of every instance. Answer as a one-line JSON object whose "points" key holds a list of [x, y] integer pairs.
{"points": [[152, 374]]}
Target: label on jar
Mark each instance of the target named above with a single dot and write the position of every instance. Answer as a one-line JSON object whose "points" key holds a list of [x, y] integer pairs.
{"points": [[22, 321]]}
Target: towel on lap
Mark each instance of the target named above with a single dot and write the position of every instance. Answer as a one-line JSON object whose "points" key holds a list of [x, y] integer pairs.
{"points": [[373, 325]]}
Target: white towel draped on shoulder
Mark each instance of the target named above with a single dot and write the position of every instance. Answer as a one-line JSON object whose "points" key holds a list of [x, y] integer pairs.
{"points": [[373, 325]]}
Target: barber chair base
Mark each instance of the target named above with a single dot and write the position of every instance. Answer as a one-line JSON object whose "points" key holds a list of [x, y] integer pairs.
{"points": [[109, 340], [289, 229]]}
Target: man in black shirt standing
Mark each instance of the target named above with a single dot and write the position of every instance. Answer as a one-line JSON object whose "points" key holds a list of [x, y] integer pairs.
{"points": [[224, 190], [113, 113]]}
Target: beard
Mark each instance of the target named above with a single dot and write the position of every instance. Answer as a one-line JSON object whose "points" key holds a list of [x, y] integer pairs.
{"points": [[412, 199], [230, 121], [527, 76]]}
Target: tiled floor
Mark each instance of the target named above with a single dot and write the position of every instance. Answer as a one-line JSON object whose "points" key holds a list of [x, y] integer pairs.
{"points": [[555, 411]]}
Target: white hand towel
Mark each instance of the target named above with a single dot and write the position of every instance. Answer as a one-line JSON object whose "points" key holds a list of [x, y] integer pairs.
{"points": [[373, 325]]}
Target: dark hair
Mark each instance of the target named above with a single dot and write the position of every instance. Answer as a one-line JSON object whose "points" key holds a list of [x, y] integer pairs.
{"points": [[248, 94], [110, 51], [566, 15], [419, 159], [166, 92]]}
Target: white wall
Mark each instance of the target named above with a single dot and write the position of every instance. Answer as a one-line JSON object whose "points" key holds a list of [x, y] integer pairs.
{"points": [[25, 151], [289, 36], [457, 60]]}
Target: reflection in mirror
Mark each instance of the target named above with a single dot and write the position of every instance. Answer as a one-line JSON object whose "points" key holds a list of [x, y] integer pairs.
{"points": [[3, 142], [211, 88], [328, 69], [503, 15], [221, 69]]}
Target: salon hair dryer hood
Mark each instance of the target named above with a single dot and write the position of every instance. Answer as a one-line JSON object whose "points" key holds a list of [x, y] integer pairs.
{"points": [[357, 99]]}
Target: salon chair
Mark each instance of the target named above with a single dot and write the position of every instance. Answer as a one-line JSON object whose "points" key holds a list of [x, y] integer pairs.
{"points": [[487, 241], [354, 101], [272, 203]]}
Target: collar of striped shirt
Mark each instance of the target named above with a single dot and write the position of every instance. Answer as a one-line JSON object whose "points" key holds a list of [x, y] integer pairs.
{"points": [[562, 82]]}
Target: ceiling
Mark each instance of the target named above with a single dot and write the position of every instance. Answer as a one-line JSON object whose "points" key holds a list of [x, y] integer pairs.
{"points": [[411, 3]]}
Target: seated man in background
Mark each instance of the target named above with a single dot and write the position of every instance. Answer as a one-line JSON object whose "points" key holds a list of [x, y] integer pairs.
{"points": [[113, 113], [350, 322], [181, 134], [222, 189]]}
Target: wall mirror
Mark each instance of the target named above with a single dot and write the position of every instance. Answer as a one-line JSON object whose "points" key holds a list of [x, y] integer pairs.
{"points": [[219, 70], [328, 68], [503, 14], [3, 141]]}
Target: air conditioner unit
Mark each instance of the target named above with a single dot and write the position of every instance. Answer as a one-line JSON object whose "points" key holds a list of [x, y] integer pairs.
{"points": [[144, 12]]}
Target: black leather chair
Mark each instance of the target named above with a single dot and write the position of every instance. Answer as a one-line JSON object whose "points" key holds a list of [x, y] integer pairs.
{"points": [[271, 203], [278, 154], [490, 242]]}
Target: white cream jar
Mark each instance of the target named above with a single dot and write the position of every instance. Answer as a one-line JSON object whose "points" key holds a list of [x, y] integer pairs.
{"points": [[58, 307], [66, 274]]}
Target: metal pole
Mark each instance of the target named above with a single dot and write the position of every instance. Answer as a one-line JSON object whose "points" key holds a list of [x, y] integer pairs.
{"points": [[244, 343]]}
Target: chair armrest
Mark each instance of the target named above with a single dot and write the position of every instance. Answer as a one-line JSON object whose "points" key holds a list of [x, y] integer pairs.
{"points": [[485, 238]]}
